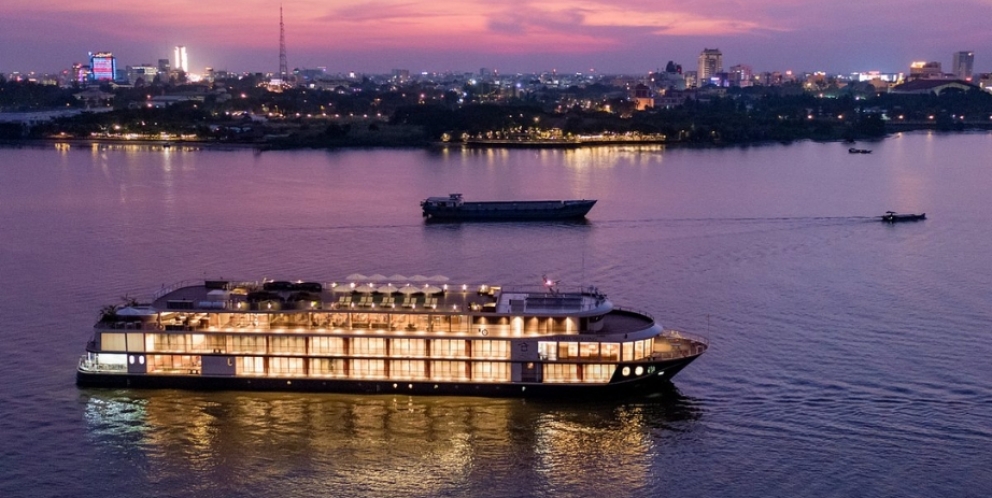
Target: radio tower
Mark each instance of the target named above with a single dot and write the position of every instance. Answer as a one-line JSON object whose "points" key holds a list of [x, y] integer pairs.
{"points": [[283, 66]]}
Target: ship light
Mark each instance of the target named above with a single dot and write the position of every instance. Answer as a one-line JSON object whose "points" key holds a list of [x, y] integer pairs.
{"points": [[465, 286]]}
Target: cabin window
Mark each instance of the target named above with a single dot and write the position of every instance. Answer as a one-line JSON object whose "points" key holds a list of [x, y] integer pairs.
{"points": [[561, 373], [327, 345], [369, 369], [286, 366], [449, 370], [597, 373], [241, 344], [547, 350], [327, 367], [408, 347], [368, 346], [491, 349], [610, 351], [445, 348], [490, 371], [250, 365], [167, 363], [282, 344], [568, 350], [408, 369], [113, 342]]}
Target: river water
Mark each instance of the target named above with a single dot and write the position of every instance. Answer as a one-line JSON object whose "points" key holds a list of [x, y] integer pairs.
{"points": [[848, 357]]}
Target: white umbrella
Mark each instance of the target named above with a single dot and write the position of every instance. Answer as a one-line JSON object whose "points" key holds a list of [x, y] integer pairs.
{"points": [[397, 278], [409, 289], [419, 278], [431, 289], [357, 277], [378, 277], [341, 288], [365, 289], [387, 289], [439, 278]]}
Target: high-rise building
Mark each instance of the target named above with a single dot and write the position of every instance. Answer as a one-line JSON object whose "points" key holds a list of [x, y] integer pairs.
{"points": [[163, 66], [103, 66], [710, 63], [182, 64], [963, 64]]}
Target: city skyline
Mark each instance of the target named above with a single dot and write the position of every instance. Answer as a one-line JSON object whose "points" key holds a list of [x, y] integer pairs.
{"points": [[520, 36]]}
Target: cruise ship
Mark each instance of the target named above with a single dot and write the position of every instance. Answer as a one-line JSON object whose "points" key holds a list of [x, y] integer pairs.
{"points": [[423, 336]]}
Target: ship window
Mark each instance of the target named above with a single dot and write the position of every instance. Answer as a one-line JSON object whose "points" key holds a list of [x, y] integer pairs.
{"points": [[113, 342], [547, 350], [241, 344], [568, 350], [408, 347], [167, 363], [408, 369], [368, 346], [329, 367], [597, 373], [251, 365], [375, 369], [282, 344], [610, 351], [286, 366], [490, 371], [491, 349], [561, 373], [449, 370], [589, 350], [628, 351], [327, 345], [444, 348]]}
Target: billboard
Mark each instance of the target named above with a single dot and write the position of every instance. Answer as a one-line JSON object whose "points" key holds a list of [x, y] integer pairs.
{"points": [[103, 66]]}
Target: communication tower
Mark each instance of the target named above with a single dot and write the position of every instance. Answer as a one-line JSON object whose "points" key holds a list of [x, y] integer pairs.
{"points": [[283, 66]]}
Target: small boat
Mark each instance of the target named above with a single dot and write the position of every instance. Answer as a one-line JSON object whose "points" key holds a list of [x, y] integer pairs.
{"points": [[852, 150], [893, 217], [454, 208]]}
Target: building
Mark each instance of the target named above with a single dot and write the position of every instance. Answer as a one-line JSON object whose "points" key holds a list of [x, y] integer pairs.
{"points": [[710, 63], [182, 63], [103, 66], [163, 66], [142, 74], [963, 64], [926, 71], [741, 75]]}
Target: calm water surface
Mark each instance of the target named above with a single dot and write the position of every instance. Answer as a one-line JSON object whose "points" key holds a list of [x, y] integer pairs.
{"points": [[848, 357]]}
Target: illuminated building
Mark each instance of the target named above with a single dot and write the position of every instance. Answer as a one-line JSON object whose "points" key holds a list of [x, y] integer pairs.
{"points": [[182, 64], [710, 63], [144, 73], [921, 70], [963, 65], [103, 66]]}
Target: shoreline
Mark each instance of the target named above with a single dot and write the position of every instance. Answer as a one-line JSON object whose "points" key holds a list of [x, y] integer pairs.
{"points": [[474, 144]]}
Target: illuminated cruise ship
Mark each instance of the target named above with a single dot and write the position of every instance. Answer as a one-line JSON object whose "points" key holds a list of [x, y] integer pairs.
{"points": [[364, 336]]}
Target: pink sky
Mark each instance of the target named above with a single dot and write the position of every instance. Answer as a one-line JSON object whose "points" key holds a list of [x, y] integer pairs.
{"points": [[510, 35]]}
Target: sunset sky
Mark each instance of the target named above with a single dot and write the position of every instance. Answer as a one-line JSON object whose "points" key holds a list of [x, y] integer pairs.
{"points": [[510, 36]]}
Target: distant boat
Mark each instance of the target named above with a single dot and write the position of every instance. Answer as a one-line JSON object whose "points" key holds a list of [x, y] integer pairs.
{"points": [[893, 217], [454, 208], [852, 150]]}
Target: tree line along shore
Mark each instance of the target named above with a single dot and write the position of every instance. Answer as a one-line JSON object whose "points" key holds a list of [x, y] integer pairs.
{"points": [[370, 115]]}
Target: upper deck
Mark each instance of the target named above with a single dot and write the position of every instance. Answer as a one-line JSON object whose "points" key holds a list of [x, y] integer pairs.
{"points": [[446, 299]]}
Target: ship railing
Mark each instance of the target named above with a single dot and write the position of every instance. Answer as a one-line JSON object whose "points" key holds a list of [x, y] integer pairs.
{"points": [[88, 365], [678, 334], [635, 311]]}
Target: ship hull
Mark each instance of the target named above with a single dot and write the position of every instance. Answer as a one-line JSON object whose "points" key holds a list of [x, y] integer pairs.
{"points": [[657, 381], [511, 211]]}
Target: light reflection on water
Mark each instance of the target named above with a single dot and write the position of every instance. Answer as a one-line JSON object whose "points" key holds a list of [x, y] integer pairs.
{"points": [[374, 445]]}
